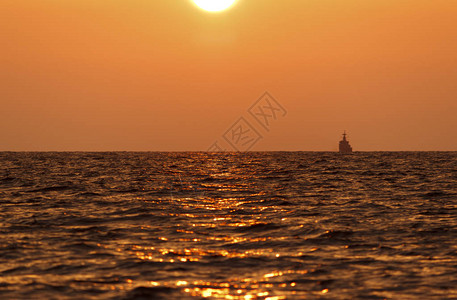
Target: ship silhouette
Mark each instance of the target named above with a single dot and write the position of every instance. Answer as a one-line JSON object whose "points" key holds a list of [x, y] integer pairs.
{"points": [[345, 147]]}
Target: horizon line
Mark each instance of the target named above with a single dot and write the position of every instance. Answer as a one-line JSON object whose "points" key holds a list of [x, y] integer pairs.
{"points": [[204, 151]]}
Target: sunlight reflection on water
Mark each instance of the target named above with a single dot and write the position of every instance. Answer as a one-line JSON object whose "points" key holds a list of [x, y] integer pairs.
{"points": [[238, 226]]}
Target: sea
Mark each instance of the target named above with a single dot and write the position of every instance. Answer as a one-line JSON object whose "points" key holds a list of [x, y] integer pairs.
{"points": [[253, 225]]}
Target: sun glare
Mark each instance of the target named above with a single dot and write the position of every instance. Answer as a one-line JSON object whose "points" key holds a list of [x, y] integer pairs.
{"points": [[214, 5]]}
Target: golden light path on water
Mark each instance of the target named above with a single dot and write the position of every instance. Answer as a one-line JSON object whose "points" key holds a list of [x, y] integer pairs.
{"points": [[251, 286], [259, 226]]}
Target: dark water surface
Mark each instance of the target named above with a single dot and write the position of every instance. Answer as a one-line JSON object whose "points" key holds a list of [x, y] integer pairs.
{"points": [[228, 226]]}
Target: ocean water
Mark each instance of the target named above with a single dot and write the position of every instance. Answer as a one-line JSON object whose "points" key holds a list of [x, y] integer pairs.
{"points": [[273, 225]]}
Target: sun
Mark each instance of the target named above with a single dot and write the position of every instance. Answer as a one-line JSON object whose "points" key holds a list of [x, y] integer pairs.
{"points": [[214, 5]]}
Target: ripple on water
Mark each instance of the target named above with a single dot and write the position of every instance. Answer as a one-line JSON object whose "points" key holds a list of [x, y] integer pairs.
{"points": [[228, 226]]}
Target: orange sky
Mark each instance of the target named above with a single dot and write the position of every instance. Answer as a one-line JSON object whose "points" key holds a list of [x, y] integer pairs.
{"points": [[163, 75]]}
